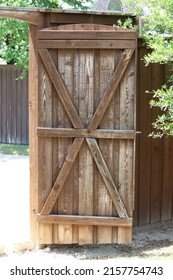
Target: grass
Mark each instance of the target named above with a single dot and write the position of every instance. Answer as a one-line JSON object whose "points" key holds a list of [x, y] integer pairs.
{"points": [[14, 149]]}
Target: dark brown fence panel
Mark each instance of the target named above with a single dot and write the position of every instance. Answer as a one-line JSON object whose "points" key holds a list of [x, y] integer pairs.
{"points": [[13, 106], [154, 157]]}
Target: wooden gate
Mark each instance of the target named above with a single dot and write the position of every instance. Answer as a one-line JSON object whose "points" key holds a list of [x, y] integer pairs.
{"points": [[86, 134]]}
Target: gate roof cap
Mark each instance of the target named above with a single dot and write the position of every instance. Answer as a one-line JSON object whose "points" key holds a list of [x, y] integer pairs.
{"points": [[31, 15]]}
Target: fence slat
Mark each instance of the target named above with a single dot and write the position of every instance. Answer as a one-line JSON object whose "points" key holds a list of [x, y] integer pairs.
{"points": [[13, 106]]}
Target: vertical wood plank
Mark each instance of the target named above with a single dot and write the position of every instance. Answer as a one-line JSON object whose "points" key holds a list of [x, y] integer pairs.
{"points": [[19, 110], [156, 154], [45, 148], [4, 102], [65, 200], [9, 105], [145, 151], [95, 169], [106, 146], [33, 123], [167, 183], [137, 150], [126, 149], [85, 159], [56, 164], [115, 160], [35, 189], [14, 108]]}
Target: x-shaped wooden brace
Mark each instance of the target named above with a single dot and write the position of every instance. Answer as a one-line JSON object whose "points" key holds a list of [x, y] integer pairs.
{"points": [[77, 123]]}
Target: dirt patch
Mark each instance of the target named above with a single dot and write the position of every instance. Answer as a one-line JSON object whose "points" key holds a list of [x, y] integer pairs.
{"points": [[153, 243]]}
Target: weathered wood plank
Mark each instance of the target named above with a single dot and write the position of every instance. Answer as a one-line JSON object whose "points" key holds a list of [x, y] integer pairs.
{"points": [[115, 159], [86, 44], [85, 220], [45, 148], [83, 133], [145, 141], [124, 235], [116, 77], [126, 148], [57, 34], [33, 111], [56, 160], [86, 91], [62, 176], [60, 88], [107, 178], [105, 204], [65, 198], [26, 16]]}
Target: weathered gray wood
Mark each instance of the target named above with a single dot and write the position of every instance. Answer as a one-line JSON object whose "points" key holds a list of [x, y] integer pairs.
{"points": [[107, 178], [60, 88], [116, 77], [85, 220], [84, 133], [62, 176]]}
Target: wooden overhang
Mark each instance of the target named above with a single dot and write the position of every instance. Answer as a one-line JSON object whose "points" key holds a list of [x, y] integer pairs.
{"points": [[32, 15]]}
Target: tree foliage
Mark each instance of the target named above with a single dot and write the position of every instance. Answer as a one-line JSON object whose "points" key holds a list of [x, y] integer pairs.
{"points": [[157, 30], [14, 34]]}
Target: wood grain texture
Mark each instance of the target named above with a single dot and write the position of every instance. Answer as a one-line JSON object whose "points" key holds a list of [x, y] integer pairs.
{"points": [[53, 33], [84, 106], [62, 176], [45, 148], [110, 90], [85, 133], [85, 220], [33, 123], [86, 44]]}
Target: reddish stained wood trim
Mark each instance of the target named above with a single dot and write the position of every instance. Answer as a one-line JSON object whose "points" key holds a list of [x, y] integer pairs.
{"points": [[56, 34], [84, 220], [86, 44], [83, 133]]}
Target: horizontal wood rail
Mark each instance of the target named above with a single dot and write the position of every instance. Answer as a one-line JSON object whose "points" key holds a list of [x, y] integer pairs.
{"points": [[86, 44], [85, 133], [56, 34], [85, 220]]}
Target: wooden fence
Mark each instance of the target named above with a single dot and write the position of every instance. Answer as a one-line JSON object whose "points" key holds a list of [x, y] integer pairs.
{"points": [[154, 157], [13, 106]]}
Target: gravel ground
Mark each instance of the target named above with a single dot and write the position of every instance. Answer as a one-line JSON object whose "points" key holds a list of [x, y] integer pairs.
{"points": [[14, 232]]}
